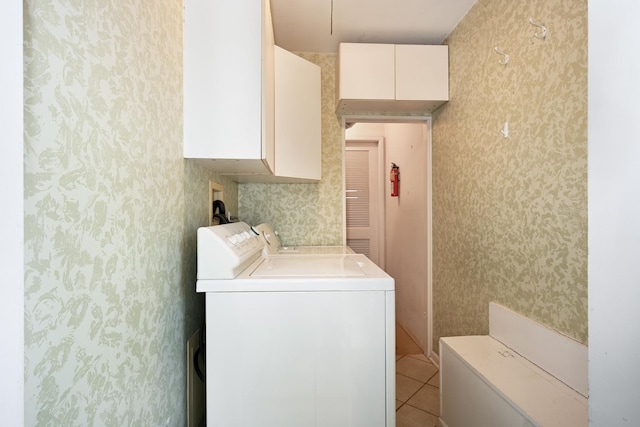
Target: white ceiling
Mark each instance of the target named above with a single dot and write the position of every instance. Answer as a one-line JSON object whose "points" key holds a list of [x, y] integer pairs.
{"points": [[306, 25]]}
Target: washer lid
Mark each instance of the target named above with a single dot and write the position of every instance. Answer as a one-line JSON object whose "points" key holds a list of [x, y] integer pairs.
{"points": [[295, 266], [312, 250], [295, 273]]}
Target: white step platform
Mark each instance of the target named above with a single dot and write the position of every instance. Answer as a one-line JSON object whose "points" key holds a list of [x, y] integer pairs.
{"points": [[505, 378]]}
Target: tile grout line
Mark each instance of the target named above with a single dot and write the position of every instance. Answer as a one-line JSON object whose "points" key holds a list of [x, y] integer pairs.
{"points": [[417, 379], [424, 383], [415, 407]]}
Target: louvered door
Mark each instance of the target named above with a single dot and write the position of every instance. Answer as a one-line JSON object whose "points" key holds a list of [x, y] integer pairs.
{"points": [[362, 199]]}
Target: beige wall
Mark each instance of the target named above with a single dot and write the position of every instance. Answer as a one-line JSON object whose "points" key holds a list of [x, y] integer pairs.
{"points": [[305, 214], [406, 226], [614, 209], [111, 210], [510, 215]]}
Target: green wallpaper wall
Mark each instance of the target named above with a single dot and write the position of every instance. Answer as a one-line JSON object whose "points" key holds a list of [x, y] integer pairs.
{"points": [[111, 210], [305, 214], [510, 215]]}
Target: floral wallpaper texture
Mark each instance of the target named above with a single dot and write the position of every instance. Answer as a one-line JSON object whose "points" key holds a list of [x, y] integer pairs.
{"points": [[305, 214], [111, 209], [510, 214]]}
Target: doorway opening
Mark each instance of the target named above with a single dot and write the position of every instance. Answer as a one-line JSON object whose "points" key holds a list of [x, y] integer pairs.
{"points": [[395, 232]]}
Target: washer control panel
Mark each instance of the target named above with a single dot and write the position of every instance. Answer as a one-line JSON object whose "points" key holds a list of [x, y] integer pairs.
{"points": [[225, 250]]}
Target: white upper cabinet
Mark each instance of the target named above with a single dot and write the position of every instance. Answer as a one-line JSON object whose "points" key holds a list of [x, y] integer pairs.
{"points": [[229, 85], [298, 118], [234, 121], [384, 78]]}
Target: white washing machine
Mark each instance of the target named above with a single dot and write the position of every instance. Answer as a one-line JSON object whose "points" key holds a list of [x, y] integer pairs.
{"points": [[294, 340], [273, 246]]}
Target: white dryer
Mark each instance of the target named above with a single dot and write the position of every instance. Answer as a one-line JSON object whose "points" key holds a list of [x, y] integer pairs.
{"points": [[295, 340]]}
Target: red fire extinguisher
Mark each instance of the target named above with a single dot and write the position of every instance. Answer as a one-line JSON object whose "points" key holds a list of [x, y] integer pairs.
{"points": [[395, 180]]}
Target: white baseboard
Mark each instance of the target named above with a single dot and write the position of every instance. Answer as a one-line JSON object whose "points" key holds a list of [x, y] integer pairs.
{"points": [[435, 359]]}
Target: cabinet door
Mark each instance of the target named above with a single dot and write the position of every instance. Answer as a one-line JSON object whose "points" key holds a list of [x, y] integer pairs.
{"points": [[297, 117], [228, 84], [422, 73], [366, 71]]}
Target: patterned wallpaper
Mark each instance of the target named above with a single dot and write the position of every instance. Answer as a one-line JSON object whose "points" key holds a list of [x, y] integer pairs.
{"points": [[510, 215], [305, 214], [111, 209]]}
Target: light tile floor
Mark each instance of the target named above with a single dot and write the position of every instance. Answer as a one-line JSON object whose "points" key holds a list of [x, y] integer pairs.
{"points": [[417, 385]]}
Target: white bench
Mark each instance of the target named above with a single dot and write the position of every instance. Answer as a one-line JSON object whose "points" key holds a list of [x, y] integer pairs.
{"points": [[521, 374]]}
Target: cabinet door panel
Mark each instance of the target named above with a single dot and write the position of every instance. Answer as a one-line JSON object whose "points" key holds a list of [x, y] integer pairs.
{"points": [[298, 122], [366, 71], [422, 72], [229, 85], [222, 81]]}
